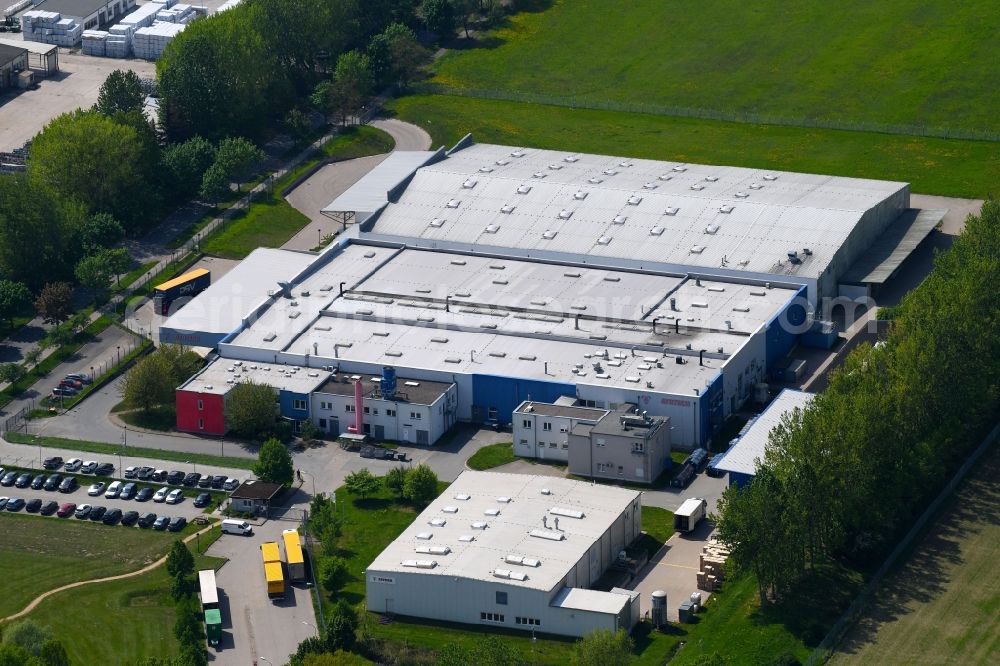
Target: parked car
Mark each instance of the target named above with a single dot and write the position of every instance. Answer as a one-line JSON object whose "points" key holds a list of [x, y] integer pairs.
{"points": [[88, 467], [15, 504], [177, 524], [161, 523], [49, 508], [231, 484], [69, 484], [144, 473], [147, 520], [175, 496], [130, 518], [97, 489], [192, 479], [73, 464], [144, 495], [175, 478], [39, 482], [161, 495], [83, 511], [205, 482], [33, 506], [202, 500], [23, 481], [97, 513], [128, 491], [71, 383], [66, 510], [113, 490], [112, 517], [81, 377], [159, 476], [53, 482], [130, 472], [55, 462], [105, 469], [64, 392], [9, 479], [218, 481], [3, 502]]}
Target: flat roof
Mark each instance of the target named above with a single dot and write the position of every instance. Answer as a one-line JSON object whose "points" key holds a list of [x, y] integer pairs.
{"points": [[892, 248], [371, 192], [567, 411], [220, 308], [582, 599], [514, 539], [645, 210], [223, 374], [611, 424], [413, 391], [9, 54], [80, 8], [255, 489], [743, 455], [32, 47]]}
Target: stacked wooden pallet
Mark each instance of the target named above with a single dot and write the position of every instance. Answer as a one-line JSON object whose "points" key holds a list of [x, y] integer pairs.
{"points": [[712, 567]]}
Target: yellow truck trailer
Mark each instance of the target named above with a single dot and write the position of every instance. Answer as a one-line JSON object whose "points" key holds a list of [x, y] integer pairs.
{"points": [[273, 573]]}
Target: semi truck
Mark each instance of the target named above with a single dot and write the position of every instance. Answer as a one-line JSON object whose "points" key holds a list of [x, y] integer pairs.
{"points": [[209, 593], [273, 573], [293, 556], [690, 513], [191, 283]]}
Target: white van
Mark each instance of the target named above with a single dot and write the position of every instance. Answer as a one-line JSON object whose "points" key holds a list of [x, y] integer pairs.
{"points": [[113, 490], [240, 527]]}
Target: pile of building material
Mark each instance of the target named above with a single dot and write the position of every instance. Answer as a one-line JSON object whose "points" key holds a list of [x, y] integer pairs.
{"points": [[143, 16], [149, 43], [94, 43], [712, 566], [51, 28], [16, 7], [119, 43], [179, 13]]}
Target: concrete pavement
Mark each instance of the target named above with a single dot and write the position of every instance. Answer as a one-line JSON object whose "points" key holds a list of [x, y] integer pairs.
{"points": [[406, 135], [674, 569]]}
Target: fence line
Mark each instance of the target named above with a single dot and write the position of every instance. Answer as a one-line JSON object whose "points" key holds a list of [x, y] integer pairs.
{"points": [[726, 115], [853, 613]]}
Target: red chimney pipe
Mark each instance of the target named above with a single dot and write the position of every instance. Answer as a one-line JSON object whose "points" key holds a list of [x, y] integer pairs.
{"points": [[359, 419]]}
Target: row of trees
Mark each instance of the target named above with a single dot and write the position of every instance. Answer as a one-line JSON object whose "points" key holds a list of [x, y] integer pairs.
{"points": [[188, 628], [847, 475], [29, 644], [152, 380]]}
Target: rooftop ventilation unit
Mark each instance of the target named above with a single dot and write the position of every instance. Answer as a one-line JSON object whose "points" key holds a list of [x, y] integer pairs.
{"points": [[437, 522], [550, 535], [462, 497], [539, 174], [680, 168], [741, 308], [625, 164], [712, 229], [571, 274], [697, 187], [619, 219], [664, 176], [510, 575], [502, 162], [697, 249], [458, 262], [549, 235], [517, 153], [555, 167], [424, 536], [604, 240], [671, 210], [503, 499], [595, 180], [449, 509], [469, 183], [580, 195], [453, 203], [650, 186], [506, 209], [491, 228], [524, 189], [527, 357], [500, 282], [633, 379], [433, 550], [479, 525], [711, 179], [725, 209], [741, 195], [610, 172], [546, 491], [420, 564], [491, 512], [567, 513], [565, 214], [756, 186], [612, 278], [437, 222], [699, 304], [634, 200], [770, 176], [270, 337], [466, 538], [571, 158], [485, 169], [656, 231]]}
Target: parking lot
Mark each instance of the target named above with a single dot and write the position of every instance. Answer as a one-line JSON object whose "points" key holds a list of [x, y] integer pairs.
{"points": [[256, 630]]}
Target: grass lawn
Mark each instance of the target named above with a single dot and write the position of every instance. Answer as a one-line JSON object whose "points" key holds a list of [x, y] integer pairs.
{"points": [[938, 166], [162, 418], [910, 62], [48, 552], [943, 604], [352, 142], [492, 456], [137, 451], [132, 276], [120, 621]]}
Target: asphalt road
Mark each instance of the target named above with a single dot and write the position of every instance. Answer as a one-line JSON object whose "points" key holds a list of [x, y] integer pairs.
{"points": [[406, 135], [255, 629]]}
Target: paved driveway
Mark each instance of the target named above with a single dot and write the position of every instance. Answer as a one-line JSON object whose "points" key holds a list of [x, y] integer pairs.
{"points": [[674, 569], [255, 629]]}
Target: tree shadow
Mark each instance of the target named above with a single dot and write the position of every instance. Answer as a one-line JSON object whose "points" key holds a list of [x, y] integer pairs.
{"points": [[475, 42], [814, 604], [373, 503]]}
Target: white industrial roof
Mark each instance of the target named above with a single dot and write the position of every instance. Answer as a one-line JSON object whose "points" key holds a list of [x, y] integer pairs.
{"points": [[513, 547], [223, 374], [372, 191], [537, 200], [220, 308], [742, 457], [579, 598]]}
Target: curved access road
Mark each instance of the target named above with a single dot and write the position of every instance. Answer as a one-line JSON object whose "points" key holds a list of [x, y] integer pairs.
{"points": [[406, 135], [80, 583]]}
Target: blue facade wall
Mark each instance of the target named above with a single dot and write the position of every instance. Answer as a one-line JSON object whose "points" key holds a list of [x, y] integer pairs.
{"points": [[710, 410], [172, 336], [739, 479], [505, 393], [783, 330], [286, 400]]}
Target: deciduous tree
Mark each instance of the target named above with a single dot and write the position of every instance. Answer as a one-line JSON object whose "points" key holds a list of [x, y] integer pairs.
{"points": [[274, 463], [251, 410], [421, 485], [149, 383], [603, 648], [395, 480], [361, 483], [235, 157], [55, 302], [180, 561], [187, 163], [121, 92], [14, 300], [439, 16], [98, 232]]}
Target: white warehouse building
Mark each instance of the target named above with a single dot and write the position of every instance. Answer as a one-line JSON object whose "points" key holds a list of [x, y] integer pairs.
{"points": [[513, 551]]}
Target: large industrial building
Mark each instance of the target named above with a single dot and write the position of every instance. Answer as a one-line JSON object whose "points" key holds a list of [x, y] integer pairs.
{"points": [[515, 551], [489, 276]]}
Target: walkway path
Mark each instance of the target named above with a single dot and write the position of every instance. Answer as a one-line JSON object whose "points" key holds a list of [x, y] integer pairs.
{"points": [[406, 135], [80, 583]]}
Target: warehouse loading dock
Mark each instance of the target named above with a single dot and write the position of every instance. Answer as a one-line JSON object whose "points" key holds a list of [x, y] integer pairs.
{"points": [[41, 58]]}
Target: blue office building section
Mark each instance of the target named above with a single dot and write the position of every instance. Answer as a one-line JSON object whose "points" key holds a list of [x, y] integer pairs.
{"points": [[710, 410], [496, 398], [294, 405], [783, 330]]}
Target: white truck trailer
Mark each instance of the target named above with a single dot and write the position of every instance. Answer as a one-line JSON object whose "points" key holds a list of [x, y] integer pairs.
{"points": [[690, 513]]}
